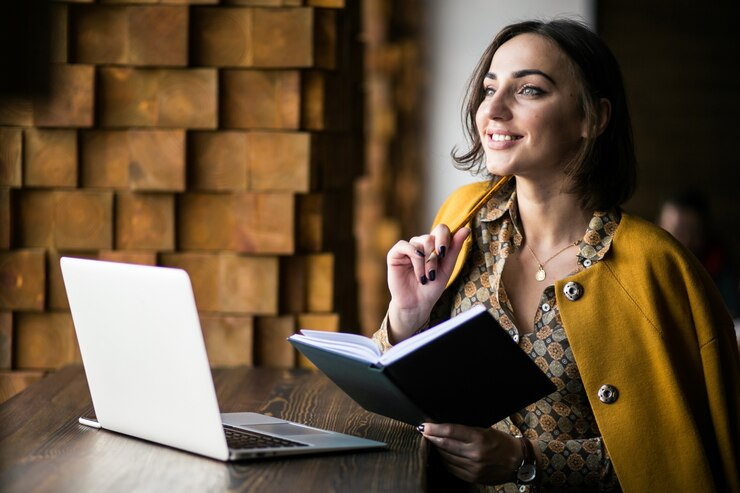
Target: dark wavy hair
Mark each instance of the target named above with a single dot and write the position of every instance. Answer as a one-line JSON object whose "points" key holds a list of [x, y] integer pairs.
{"points": [[604, 168]]}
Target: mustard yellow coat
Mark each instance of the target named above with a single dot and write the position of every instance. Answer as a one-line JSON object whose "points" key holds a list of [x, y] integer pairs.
{"points": [[652, 324]]}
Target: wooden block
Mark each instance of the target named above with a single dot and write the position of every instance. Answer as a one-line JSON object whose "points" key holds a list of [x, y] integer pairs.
{"points": [[260, 99], [6, 232], [217, 161], [128, 257], [100, 34], [6, 340], [230, 283], [104, 158], [222, 37], [320, 282], [59, 33], [265, 223], [45, 341], [326, 4], [66, 219], [15, 382], [50, 158], [248, 284], [152, 160], [56, 293], [159, 36], [145, 221], [156, 160], [229, 339], [325, 38], [280, 161], [203, 269], [205, 221], [11, 141], [173, 2], [324, 101], [271, 349], [22, 279], [292, 284], [328, 322], [264, 3], [242, 222], [158, 97], [236, 37], [16, 111], [131, 35], [291, 35], [311, 219], [70, 102]]}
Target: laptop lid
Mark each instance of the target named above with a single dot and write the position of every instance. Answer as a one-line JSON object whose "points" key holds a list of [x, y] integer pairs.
{"points": [[144, 355], [147, 368]]}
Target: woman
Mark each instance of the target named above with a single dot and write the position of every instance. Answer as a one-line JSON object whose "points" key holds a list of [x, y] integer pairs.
{"points": [[618, 315]]}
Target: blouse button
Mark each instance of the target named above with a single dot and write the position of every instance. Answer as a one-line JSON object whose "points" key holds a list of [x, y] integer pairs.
{"points": [[545, 307], [608, 394], [573, 291], [515, 338], [587, 263]]}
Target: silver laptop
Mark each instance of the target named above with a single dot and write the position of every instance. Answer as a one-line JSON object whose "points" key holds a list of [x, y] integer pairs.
{"points": [[148, 372]]}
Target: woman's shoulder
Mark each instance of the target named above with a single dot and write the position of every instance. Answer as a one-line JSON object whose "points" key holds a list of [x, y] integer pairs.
{"points": [[460, 201]]}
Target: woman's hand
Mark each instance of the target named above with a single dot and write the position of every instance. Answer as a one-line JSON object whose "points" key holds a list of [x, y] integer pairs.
{"points": [[476, 455], [416, 281]]}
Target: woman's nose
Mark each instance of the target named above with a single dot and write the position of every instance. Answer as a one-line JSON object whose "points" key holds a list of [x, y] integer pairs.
{"points": [[497, 107]]}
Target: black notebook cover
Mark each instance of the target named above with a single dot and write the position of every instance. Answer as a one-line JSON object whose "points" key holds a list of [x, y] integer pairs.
{"points": [[473, 375]]}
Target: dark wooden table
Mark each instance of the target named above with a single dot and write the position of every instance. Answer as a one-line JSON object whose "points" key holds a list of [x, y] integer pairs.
{"points": [[43, 448]]}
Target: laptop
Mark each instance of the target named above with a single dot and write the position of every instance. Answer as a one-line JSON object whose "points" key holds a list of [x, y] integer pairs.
{"points": [[147, 368]]}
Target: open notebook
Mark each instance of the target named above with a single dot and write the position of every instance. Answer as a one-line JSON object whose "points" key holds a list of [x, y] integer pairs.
{"points": [[148, 372]]}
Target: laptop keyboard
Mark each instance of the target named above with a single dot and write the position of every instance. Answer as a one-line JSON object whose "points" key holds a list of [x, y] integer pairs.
{"points": [[238, 438]]}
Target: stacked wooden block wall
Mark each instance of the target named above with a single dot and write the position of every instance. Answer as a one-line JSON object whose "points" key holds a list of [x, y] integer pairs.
{"points": [[220, 137]]}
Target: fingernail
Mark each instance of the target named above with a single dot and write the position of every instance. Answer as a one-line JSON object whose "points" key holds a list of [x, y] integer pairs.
{"points": [[420, 253], [420, 428], [423, 279], [432, 275], [442, 251]]}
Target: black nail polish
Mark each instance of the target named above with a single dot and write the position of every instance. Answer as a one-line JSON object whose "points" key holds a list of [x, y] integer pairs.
{"points": [[420, 428], [442, 251], [432, 275], [423, 279]]}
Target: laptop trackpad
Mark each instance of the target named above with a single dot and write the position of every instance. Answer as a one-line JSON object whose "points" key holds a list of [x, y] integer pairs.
{"points": [[284, 429]]}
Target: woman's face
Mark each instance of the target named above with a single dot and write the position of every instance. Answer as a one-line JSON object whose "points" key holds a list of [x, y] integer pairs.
{"points": [[530, 120]]}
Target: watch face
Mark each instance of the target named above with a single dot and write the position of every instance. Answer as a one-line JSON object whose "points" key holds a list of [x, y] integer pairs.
{"points": [[526, 473]]}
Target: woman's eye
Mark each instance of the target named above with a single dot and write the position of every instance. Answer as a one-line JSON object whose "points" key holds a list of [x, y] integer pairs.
{"points": [[488, 91], [530, 91]]}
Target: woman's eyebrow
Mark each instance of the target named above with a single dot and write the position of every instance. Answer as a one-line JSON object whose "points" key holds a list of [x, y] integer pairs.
{"points": [[522, 73]]}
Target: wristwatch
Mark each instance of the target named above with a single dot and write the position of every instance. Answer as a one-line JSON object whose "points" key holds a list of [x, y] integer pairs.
{"points": [[527, 472]]}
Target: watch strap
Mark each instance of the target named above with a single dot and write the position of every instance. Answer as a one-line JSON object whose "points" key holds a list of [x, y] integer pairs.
{"points": [[527, 471]]}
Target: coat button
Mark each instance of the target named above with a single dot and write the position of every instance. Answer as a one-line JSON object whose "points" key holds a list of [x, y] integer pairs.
{"points": [[573, 291], [608, 394]]}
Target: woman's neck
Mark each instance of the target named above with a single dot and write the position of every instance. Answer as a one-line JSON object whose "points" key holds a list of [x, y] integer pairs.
{"points": [[550, 216]]}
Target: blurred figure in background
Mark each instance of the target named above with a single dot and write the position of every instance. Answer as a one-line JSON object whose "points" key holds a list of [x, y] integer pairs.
{"points": [[687, 217]]}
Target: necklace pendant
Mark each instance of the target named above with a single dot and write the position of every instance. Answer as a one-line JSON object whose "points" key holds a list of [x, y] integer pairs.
{"points": [[540, 275]]}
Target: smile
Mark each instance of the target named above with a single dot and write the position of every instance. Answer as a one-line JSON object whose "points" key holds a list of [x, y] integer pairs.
{"points": [[502, 137]]}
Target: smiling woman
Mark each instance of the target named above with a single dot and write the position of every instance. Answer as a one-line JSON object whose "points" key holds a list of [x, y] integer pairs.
{"points": [[621, 318]]}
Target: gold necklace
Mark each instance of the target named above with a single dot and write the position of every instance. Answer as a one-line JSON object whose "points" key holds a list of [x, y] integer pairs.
{"points": [[540, 275]]}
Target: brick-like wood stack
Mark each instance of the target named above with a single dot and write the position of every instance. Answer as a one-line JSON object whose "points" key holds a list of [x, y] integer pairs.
{"points": [[220, 137]]}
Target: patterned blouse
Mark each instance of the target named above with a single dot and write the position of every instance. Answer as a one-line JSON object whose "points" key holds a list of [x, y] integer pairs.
{"points": [[562, 423]]}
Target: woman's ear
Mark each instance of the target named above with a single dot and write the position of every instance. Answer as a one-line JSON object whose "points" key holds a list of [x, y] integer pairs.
{"points": [[605, 114], [604, 109]]}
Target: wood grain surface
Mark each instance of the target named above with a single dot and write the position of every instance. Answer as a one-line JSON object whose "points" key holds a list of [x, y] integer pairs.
{"points": [[43, 448]]}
